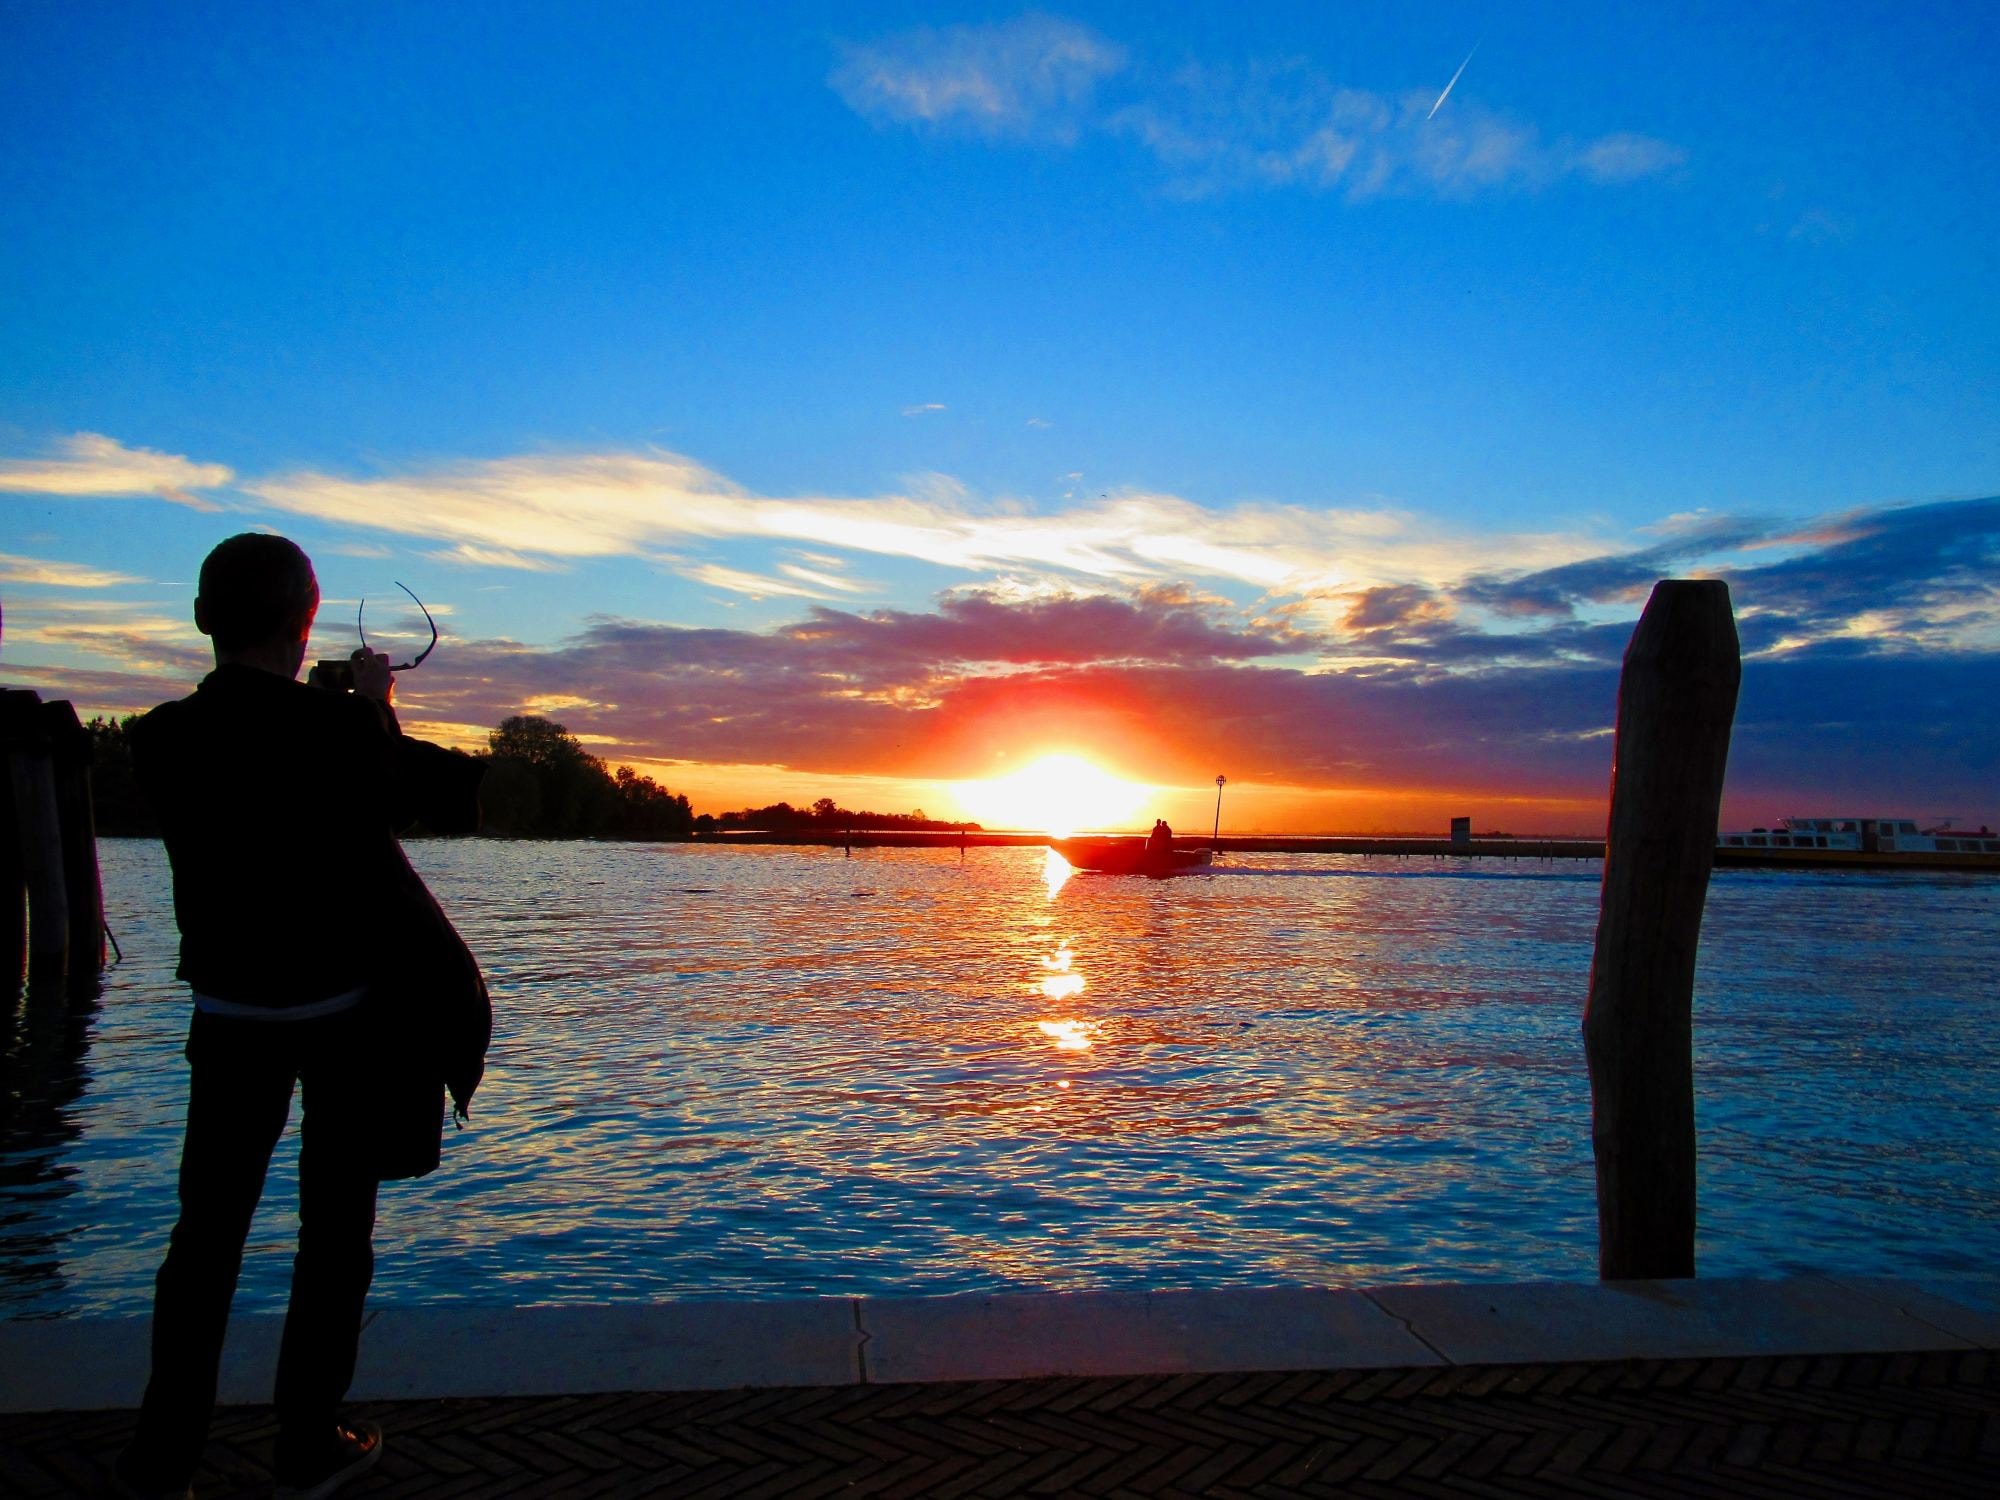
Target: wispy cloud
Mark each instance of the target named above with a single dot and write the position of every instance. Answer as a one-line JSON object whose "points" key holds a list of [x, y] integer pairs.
{"points": [[1215, 127], [1898, 581], [522, 512], [1171, 684], [858, 691], [757, 585], [1160, 625], [820, 578], [61, 575], [1375, 584], [1396, 606], [923, 408], [1874, 634], [129, 638], [1625, 157], [1219, 129], [88, 464], [1029, 77], [538, 511], [472, 555]]}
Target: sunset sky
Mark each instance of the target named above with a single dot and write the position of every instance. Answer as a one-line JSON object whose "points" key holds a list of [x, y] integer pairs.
{"points": [[860, 400]]}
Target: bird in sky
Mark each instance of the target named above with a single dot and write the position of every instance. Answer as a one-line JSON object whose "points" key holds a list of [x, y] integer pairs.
{"points": [[1454, 80]]}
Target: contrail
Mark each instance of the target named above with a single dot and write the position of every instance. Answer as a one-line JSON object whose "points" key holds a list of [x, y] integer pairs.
{"points": [[1454, 79]]}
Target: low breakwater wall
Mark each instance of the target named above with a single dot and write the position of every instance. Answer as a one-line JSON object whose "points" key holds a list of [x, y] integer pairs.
{"points": [[1373, 845], [896, 838]]}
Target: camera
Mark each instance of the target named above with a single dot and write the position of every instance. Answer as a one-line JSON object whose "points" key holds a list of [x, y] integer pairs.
{"points": [[336, 675]]}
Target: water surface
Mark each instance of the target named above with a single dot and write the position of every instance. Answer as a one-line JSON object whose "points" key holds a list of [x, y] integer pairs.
{"points": [[772, 1071]]}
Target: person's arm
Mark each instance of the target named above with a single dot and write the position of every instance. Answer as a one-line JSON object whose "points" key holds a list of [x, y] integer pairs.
{"points": [[436, 786], [443, 784]]}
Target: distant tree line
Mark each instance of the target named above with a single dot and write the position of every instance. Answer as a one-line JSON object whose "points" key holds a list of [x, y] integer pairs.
{"points": [[543, 784], [825, 816], [540, 783], [118, 807]]}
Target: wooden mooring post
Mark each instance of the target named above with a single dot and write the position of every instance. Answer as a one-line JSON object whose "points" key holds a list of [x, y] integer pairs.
{"points": [[32, 780], [13, 891], [51, 845], [76, 818], [1676, 703]]}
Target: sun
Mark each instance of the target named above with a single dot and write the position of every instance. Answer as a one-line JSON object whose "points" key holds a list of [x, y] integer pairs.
{"points": [[1058, 794]]}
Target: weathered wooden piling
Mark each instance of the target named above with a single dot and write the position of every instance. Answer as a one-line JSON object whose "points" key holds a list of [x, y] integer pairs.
{"points": [[38, 834], [1676, 702], [13, 895], [83, 887]]}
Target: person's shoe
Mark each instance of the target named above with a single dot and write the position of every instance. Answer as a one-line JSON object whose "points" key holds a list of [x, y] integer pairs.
{"points": [[129, 1484], [350, 1449]]}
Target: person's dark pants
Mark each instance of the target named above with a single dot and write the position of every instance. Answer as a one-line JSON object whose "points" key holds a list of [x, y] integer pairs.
{"points": [[243, 1073]]}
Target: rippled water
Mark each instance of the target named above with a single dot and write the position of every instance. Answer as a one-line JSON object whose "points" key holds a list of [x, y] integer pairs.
{"points": [[785, 1072]]}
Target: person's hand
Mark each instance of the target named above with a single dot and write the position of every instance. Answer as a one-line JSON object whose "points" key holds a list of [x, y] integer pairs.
{"points": [[371, 674]]}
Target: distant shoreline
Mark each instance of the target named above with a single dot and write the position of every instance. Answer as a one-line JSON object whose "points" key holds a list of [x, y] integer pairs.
{"points": [[1387, 846], [1228, 843], [1404, 846]]}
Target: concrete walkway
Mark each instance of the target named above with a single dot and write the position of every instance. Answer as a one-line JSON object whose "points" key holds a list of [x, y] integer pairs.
{"points": [[1728, 1385], [414, 1353]]}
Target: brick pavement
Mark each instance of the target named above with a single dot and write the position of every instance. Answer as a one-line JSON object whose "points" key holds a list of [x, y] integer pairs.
{"points": [[1832, 1426]]}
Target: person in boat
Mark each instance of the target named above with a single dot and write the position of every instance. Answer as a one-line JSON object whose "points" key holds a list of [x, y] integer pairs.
{"points": [[315, 957], [1160, 842]]}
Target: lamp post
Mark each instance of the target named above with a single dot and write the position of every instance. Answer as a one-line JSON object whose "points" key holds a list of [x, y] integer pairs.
{"points": [[1216, 832]]}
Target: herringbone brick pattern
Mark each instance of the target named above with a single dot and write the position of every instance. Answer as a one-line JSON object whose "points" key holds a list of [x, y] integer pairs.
{"points": [[1919, 1425]]}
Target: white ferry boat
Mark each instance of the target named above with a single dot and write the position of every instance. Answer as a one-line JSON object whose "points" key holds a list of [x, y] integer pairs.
{"points": [[1861, 840]]}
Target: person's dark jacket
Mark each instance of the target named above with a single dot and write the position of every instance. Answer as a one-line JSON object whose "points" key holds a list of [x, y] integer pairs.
{"points": [[280, 805]]}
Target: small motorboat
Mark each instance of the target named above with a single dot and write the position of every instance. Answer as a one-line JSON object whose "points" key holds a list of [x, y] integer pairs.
{"points": [[1130, 856]]}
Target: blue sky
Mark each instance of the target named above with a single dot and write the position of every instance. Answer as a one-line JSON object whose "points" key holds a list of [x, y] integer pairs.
{"points": [[912, 328]]}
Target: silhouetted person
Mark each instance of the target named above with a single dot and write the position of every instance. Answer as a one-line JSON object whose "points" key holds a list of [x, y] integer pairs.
{"points": [[1160, 842], [315, 957]]}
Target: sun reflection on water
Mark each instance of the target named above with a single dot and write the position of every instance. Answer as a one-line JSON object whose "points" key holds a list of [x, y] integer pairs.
{"points": [[1056, 871], [1315, 1070], [1069, 1036], [1060, 982]]}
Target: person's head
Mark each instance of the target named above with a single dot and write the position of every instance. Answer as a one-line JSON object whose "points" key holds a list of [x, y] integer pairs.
{"points": [[256, 601]]}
